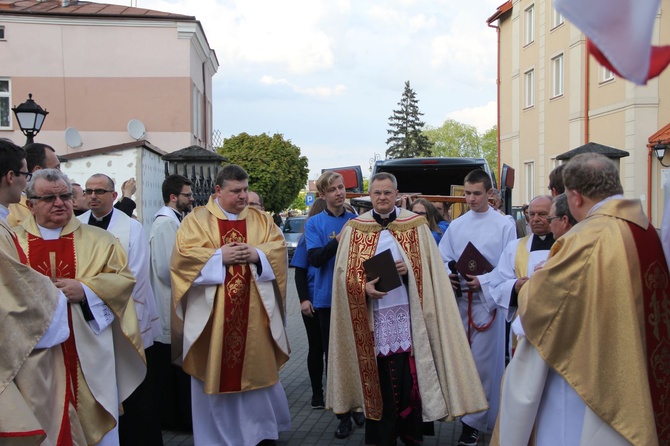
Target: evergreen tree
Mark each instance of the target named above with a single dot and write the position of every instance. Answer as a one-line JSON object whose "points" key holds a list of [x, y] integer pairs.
{"points": [[406, 138]]}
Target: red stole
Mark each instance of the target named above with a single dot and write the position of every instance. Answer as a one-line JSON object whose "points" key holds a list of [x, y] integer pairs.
{"points": [[655, 289], [236, 309], [22, 255], [57, 259]]}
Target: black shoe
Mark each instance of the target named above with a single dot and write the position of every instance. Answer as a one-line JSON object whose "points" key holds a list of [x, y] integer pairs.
{"points": [[317, 402], [469, 436], [344, 429], [359, 418]]}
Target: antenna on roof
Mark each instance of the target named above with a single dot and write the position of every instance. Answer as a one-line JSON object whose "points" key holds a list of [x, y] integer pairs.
{"points": [[73, 138], [136, 129]]}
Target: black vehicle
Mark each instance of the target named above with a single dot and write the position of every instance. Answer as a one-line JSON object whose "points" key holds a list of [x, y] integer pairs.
{"points": [[293, 229]]}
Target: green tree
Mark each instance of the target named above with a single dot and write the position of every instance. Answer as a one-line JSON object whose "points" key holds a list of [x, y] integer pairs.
{"points": [[489, 144], [275, 167], [299, 201], [406, 138], [456, 139]]}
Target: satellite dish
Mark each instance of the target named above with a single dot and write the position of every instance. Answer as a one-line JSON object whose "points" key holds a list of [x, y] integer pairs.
{"points": [[136, 129], [73, 138]]}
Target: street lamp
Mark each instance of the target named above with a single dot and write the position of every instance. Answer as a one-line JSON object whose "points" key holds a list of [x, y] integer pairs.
{"points": [[30, 117], [660, 149]]}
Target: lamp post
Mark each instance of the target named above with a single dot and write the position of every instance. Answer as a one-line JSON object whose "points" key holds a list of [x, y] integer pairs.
{"points": [[30, 117], [660, 149]]}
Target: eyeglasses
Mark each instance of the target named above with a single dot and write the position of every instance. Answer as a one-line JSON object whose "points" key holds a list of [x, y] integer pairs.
{"points": [[253, 203], [28, 175], [538, 214], [186, 195], [97, 191], [52, 198], [550, 219]]}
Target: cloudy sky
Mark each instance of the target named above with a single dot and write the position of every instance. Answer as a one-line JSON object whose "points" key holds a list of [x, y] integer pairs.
{"points": [[327, 74]]}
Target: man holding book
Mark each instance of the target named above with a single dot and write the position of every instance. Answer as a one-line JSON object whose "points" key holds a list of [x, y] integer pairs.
{"points": [[400, 355], [489, 232]]}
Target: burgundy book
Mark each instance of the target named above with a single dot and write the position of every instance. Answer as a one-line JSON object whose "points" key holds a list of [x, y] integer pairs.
{"points": [[472, 262]]}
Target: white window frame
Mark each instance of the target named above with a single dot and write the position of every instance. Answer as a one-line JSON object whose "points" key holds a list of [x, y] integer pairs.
{"points": [[8, 96], [529, 169], [607, 75], [557, 19], [557, 79], [529, 25], [197, 112], [529, 88]]}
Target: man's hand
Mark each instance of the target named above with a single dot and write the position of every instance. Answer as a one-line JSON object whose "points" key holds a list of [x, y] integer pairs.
{"points": [[237, 253], [455, 282], [519, 283], [371, 291], [306, 308], [128, 188], [473, 283], [401, 267], [72, 288]]}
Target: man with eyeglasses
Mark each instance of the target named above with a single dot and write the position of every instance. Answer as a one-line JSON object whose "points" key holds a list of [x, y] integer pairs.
{"points": [[34, 317], [520, 259], [401, 355], [592, 367], [38, 156], [175, 386], [560, 218], [255, 200], [140, 420], [104, 357]]}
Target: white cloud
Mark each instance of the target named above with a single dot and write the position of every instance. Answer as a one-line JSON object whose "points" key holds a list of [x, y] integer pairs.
{"points": [[483, 117], [320, 91]]}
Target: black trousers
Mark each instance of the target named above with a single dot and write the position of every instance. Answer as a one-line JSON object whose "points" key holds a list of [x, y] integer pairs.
{"points": [[315, 354], [401, 415], [174, 394], [140, 425]]}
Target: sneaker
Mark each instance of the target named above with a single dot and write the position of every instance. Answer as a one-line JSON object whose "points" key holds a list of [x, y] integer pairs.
{"points": [[317, 402], [469, 436], [359, 418], [344, 429]]}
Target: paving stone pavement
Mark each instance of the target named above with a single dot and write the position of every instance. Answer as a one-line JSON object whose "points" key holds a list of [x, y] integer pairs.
{"points": [[309, 426]]}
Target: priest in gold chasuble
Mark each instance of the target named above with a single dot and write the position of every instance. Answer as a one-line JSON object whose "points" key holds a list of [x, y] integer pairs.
{"points": [[104, 355], [36, 400], [228, 286], [592, 369], [401, 356]]}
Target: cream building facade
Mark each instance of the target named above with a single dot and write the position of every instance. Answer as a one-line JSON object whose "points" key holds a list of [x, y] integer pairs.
{"points": [[95, 67], [554, 97]]}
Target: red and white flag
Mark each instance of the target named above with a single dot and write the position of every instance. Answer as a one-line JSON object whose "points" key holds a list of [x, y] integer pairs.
{"points": [[620, 35]]}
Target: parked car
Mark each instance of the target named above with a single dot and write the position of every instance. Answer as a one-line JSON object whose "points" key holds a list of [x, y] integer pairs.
{"points": [[293, 228]]}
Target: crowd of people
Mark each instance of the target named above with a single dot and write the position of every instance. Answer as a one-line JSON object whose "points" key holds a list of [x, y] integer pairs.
{"points": [[109, 336]]}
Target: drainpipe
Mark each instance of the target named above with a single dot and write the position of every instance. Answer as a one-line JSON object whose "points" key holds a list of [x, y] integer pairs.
{"points": [[587, 74], [649, 162], [497, 28]]}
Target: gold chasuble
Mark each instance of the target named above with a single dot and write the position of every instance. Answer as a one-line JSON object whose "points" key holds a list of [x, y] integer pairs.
{"points": [[232, 334], [599, 314], [18, 212], [449, 388], [98, 365], [35, 396]]}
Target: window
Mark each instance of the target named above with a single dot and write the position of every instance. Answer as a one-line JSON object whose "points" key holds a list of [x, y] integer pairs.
{"points": [[197, 112], [608, 74], [529, 88], [530, 180], [556, 18], [557, 76], [5, 104], [2, 33], [529, 16]]}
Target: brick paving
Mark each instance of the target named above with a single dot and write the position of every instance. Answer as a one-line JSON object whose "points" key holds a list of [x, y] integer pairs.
{"points": [[308, 426]]}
